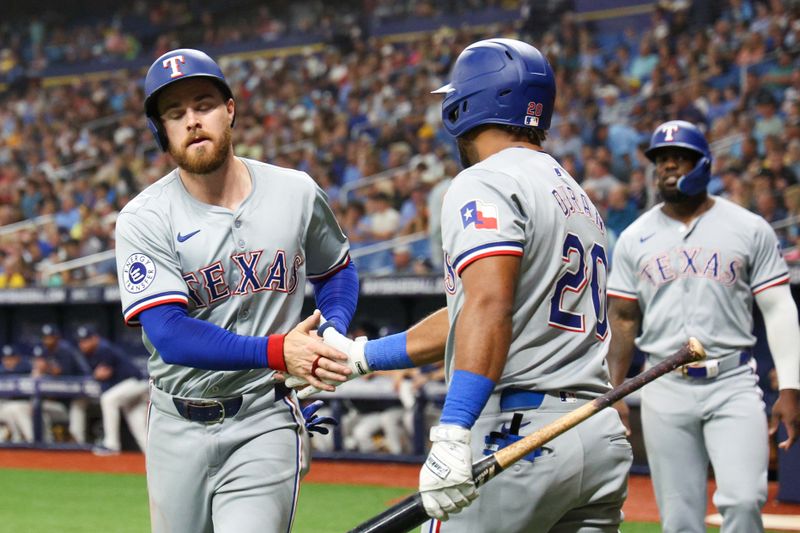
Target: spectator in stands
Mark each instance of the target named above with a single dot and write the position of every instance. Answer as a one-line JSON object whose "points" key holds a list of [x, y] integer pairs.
{"points": [[612, 110], [779, 75], [404, 262], [427, 156], [599, 181], [68, 214], [768, 122], [382, 221], [123, 386], [12, 273], [766, 205], [569, 141], [13, 364], [621, 211], [414, 211], [351, 220]]}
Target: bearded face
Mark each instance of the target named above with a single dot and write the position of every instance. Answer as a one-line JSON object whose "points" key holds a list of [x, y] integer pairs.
{"points": [[671, 164], [197, 120], [200, 152]]}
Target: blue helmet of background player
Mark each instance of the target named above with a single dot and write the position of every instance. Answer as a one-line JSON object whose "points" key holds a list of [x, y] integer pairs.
{"points": [[498, 81], [682, 134], [173, 66]]}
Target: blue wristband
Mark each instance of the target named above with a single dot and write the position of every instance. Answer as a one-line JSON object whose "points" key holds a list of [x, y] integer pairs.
{"points": [[466, 396], [388, 353]]}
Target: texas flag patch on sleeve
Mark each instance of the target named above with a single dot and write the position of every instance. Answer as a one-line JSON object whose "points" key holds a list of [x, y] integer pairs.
{"points": [[483, 216]]}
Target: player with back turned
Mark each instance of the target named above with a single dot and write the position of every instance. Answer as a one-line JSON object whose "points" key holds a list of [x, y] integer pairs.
{"points": [[692, 266], [525, 334], [212, 263]]}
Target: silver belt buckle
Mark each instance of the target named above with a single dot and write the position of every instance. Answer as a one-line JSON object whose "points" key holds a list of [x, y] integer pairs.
{"points": [[209, 403]]}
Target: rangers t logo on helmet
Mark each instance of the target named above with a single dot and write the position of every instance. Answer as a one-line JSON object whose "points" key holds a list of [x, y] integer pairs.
{"points": [[172, 64]]}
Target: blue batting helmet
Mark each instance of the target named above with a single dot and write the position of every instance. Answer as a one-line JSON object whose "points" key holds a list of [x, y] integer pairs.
{"points": [[682, 134], [498, 81], [174, 66]]}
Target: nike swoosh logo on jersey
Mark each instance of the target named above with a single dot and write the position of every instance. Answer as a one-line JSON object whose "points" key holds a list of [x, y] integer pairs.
{"points": [[643, 239], [183, 238]]}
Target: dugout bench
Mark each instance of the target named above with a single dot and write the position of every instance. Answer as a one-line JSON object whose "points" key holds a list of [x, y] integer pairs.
{"points": [[36, 390]]}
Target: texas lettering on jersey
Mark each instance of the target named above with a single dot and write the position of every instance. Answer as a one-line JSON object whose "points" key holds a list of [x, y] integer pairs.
{"points": [[210, 285], [665, 267]]}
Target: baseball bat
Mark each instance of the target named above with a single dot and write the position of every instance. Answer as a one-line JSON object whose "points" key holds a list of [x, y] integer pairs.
{"points": [[410, 512]]}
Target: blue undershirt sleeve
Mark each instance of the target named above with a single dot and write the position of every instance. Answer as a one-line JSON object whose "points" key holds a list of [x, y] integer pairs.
{"points": [[337, 297], [183, 340]]}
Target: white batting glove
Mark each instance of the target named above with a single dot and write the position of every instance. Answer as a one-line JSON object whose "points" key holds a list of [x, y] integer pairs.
{"points": [[356, 361], [445, 481]]}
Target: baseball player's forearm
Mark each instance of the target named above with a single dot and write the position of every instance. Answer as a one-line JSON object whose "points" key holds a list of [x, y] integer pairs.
{"points": [[426, 340], [624, 317], [783, 334]]}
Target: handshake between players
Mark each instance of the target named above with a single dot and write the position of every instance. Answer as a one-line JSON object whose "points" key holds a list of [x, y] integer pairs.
{"points": [[317, 365], [328, 369]]}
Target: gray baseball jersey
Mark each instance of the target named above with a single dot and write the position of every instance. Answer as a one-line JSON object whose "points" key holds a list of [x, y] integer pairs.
{"points": [[242, 270], [245, 271], [522, 202], [699, 280]]}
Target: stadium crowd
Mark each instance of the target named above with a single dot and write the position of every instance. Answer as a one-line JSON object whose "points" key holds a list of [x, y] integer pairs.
{"points": [[356, 113]]}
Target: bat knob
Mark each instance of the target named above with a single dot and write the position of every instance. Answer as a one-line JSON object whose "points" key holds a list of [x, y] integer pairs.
{"points": [[697, 349]]}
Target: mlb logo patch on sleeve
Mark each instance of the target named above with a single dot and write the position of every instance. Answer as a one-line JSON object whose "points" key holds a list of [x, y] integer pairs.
{"points": [[483, 216]]}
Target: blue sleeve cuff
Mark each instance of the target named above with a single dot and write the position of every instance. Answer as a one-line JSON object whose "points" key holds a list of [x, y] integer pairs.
{"points": [[388, 353], [466, 397]]}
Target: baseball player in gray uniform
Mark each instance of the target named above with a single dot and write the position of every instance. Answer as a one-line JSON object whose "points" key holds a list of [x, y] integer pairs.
{"points": [[212, 263], [525, 332], [692, 266]]}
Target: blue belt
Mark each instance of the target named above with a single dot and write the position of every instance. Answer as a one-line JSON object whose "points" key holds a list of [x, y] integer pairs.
{"points": [[711, 368], [519, 399], [512, 399]]}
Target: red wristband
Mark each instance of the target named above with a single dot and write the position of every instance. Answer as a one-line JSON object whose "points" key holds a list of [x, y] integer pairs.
{"points": [[275, 359]]}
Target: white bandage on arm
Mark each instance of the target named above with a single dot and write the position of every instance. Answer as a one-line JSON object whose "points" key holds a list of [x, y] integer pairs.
{"points": [[783, 333]]}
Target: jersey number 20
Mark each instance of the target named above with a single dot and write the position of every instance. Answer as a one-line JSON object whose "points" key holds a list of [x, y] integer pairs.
{"points": [[576, 281]]}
